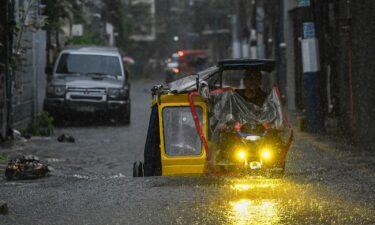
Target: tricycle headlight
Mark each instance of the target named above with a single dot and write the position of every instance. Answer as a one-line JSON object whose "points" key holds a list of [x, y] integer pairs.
{"points": [[241, 155], [266, 153]]}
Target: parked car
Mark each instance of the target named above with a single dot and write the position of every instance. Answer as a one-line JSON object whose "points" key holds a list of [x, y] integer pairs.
{"points": [[185, 62], [89, 79]]}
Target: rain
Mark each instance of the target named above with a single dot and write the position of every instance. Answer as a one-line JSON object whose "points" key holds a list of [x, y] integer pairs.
{"points": [[187, 112]]}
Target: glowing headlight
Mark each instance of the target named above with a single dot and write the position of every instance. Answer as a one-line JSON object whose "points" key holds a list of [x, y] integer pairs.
{"points": [[266, 154], [241, 155]]}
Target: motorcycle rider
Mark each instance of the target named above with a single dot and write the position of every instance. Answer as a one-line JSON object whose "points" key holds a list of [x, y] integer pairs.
{"points": [[253, 92]]}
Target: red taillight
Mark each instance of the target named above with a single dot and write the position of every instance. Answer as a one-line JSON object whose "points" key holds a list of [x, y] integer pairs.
{"points": [[180, 53], [176, 70]]}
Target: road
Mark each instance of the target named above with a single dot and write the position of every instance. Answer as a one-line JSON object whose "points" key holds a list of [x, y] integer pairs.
{"points": [[326, 182]]}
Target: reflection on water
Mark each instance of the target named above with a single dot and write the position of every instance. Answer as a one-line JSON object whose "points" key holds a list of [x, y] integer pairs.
{"points": [[246, 211], [246, 187], [258, 200], [253, 202]]}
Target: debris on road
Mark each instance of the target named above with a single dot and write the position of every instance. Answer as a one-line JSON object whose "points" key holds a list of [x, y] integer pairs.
{"points": [[3, 208], [66, 138], [16, 135], [25, 167]]}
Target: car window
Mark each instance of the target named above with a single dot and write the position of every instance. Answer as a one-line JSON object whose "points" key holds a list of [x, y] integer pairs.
{"points": [[89, 64]]}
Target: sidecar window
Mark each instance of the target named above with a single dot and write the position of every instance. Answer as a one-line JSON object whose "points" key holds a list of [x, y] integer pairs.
{"points": [[180, 134]]}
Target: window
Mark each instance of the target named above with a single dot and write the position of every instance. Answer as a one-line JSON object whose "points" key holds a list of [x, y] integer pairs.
{"points": [[89, 64], [181, 137]]}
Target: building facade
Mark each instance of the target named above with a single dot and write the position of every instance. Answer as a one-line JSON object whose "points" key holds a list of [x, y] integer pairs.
{"points": [[344, 31]]}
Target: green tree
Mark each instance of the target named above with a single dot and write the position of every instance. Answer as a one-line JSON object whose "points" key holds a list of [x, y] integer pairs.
{"points": [[58, 12], [115, 12]]}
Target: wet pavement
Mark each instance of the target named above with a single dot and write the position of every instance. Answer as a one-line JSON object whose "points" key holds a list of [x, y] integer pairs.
{"points": [[326, 182]]}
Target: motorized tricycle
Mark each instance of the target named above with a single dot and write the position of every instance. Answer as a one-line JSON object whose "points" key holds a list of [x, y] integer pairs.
{"points": [[200, 125]]}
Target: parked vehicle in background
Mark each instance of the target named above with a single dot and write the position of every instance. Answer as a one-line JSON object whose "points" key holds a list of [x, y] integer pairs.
{"points": [[89, 80], [185, 62]]}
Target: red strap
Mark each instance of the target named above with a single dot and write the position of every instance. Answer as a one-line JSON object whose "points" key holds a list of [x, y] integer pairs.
{"points": [[196, 121], [221, 90], [277, 91]]}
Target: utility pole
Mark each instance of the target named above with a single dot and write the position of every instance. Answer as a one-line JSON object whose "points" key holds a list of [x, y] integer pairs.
{"points": [[311, 72], [259, 18], [236, 46]]}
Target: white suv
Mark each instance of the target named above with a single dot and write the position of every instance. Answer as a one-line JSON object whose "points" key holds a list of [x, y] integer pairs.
{"points": [[89, 79]]}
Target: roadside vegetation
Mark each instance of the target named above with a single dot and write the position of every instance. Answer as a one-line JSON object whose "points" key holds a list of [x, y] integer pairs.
{"points": [[3, 158], [42, 126]]}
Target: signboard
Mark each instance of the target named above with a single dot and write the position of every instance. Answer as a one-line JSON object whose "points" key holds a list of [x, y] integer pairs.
{"points": [[303, 3], [308, 30], [310, 55]]}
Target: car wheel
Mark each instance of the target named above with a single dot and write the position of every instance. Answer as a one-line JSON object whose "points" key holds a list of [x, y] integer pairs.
{"points": [[123, 117], [138, 169], [128, 113]]}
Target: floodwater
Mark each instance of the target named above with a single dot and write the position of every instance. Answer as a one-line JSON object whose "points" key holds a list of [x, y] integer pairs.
{"points": [[325, 183]]}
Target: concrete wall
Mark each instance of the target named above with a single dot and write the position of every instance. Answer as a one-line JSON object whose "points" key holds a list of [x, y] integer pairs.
{"points": [[348, 48], [2, 104], [3, 40], [30, 79], [27, 75], [289, 55], [363, 67]]}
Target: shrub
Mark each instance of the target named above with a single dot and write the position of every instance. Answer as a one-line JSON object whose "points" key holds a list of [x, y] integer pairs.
{"points": [[43, 125], [3, 157]]}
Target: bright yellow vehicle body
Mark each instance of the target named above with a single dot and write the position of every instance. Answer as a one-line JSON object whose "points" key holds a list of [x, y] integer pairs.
{"points": [[181, 165]]}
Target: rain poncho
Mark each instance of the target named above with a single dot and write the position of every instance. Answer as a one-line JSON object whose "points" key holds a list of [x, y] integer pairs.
{"points": [[229, 106]]}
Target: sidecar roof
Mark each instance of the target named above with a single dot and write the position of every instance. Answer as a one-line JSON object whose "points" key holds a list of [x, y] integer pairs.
{"points": [[266, 65], [188, 83]]}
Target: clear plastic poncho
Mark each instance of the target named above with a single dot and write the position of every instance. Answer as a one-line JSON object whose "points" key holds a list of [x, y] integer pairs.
{"points": [[229, 107]]}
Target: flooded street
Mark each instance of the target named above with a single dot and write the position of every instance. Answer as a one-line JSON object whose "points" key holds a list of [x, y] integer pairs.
{"points": [[91, 183], [187, 112]]}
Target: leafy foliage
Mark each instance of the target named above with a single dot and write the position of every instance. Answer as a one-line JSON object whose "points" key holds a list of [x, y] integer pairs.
{"points": [[114, 11], [43, 125], [87, 39], [3, 157], [57, 12]]}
